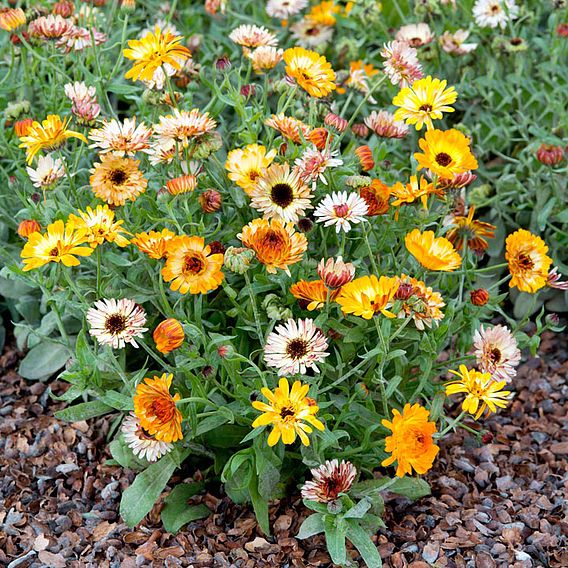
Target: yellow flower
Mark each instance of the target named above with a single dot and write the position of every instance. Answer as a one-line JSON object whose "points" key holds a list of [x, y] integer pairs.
{"points": [[482, 392], [276, 244], [12, 18], [323, 13], [528, 262], [311, 70], [368, 295], [446, 153], [410, 192], [431, 252], [288, 410], [156, 55], [61, 243], [411, 444], [425, 100], [100, 226], [51, 134], [246, 165], [154, 243], [156, 409], [191, 267], [116, 180]]}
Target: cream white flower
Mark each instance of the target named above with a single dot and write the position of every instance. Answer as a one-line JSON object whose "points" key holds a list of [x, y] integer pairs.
{"points": [[329, 480], [493, 13], [283, 9], [47, 172], [121, 138], [341, 209], [415, 35], [142, 444]]}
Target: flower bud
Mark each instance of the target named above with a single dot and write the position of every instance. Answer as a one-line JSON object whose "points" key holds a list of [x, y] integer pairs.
{"points": [[27, 227], [225, 351], [64, 8], [552, 320], [248, 90], [181, 184], [479, 297], [210, 201], [404, 292], [274, 310], [549, 155], [223, 63], [168, 335], [361, 130], [340, 124], [358, 181], [238, 259], [320, 137], [21, 127], [305, 225], [365, 158], [217, 247], [335, 273], [487, 437]]}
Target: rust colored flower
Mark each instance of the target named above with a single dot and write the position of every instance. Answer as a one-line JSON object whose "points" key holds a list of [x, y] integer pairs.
{"points": [[210, 201], [64, 8], [168, 335], [376, 196], [360, 129], [550, 155], [21, 127], [156, 409], [365, 156], [27, 227], [479, 297], [320, 137], [312, 295], [470, 230], [329, 481]]}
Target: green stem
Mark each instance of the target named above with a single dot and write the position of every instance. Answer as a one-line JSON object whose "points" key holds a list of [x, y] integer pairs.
{"points": [[254, 309]]}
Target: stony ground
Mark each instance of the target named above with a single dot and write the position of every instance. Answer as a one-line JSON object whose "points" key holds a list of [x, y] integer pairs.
{"points": [[500, 504]]}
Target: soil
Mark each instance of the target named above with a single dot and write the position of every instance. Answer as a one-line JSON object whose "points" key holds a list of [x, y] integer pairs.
{"points": [[502, 502]]}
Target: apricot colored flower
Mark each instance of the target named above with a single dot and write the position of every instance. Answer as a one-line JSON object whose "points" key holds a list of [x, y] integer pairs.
{"points": [[191, 266], [168, 335], [311, 70], [276, 244], [100, 226], [376, 195], [60, 243], [434, 253], [181, 184], [156, 409], [117, 180], [528, 261], [289, 127], [288, 411], [368, 295], [482, 392], [48, 135], [446, 153], [411, 444], [154, 243]]}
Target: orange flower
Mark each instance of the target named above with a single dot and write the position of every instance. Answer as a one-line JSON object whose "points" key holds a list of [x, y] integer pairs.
{"points": [[156, 409], [276, 244], [365, 156], [410, 192], [12, 18], [288, 126], [154, 243], [313, 293], [21, 127], [27, 227], [431, 252], [181, 184], [320, 137], [472, 230], [411, 444], [168, 335], [376, 197]]}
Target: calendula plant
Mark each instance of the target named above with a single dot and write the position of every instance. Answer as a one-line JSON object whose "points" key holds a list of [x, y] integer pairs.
{"points": [[257, 238]]}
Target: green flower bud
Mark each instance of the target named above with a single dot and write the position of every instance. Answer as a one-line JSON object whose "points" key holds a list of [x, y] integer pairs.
{"points": [[238, 259]]}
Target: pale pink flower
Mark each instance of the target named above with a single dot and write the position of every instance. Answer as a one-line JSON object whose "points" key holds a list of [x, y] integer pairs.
{"points": [[401, 63], [496, 352]]}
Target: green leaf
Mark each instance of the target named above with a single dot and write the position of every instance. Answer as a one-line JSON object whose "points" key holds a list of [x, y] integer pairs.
{"points": [[83, 411], [335, 540], [411, 487], [138, 500], [259, 504], [177, 512], [44, 360], [311, 526], [358, 511], [437, 406], [118, 400], [363, 543], [210, 423], [123, 455]]}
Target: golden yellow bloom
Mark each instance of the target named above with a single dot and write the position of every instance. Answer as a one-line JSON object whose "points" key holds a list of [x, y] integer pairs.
{"points": [[12, 18], [116, 180], [100, 226], [156, 409], [181, 184], [246, 165], [61, 243], [156, 55], [528, 262], [191, 267], [368, 295], [410, 192], [276, 244], [311, 70], [446, 153], [425, 100], [313, 294], [411, 444], [288, 410], [434, 253], [51, 134], [323, 13], [168, 335], [154, 243], [482, 392], [471, 230]]}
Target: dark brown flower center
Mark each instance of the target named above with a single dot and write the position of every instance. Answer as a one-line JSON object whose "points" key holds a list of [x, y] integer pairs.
{"points": [[118, 176], [253, 175], [54, 252], [272, 239], [143, 434], [494, 355], [115, 323], [193, 264], [297, 348], [282, 194], [426, 107], [525, 261], [286, 412], [443, 159]]}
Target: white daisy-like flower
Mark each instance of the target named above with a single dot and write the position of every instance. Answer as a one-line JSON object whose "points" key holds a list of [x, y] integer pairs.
{"points": [[493, 13], [454, 43], [116, 322], [295, 347], [329, 480], [183, 127], [283, 9], [415, 35], [142, 444], [401, 63], [248, 36], [47, 172], [313, 163], [121, 138], [341, 209], [310, 34], [497, 352]]}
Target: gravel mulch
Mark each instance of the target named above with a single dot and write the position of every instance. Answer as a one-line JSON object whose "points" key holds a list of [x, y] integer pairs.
{"points": [[500, 504]]}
